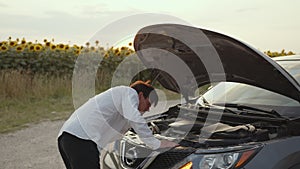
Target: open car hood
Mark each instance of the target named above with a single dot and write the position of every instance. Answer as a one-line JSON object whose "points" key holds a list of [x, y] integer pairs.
{"points": [[184, 58]]}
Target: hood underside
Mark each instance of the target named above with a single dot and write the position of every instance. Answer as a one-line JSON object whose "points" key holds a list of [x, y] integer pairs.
{"points": [[185, 58]]}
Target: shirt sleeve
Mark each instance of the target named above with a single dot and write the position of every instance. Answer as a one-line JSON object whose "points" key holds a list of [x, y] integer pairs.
{"points": [[137, 122]]}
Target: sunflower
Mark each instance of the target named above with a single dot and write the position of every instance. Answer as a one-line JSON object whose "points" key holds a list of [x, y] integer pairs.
{"points": [[13, 43], [76, 47], [38, 47], [31, 47], [77, 52], [23, 42], [3, 43], [61, 46], [48, 44], [130, 43], [3, 48], [20, 48], [52, 47], [116, 51], [127, 53]]}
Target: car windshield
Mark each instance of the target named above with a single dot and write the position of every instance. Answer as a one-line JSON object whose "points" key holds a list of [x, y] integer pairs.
{"points": [[231, 92], [293, 67]]}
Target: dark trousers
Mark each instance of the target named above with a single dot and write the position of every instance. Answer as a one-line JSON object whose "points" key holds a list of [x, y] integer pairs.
{"points": [[78, 153]]}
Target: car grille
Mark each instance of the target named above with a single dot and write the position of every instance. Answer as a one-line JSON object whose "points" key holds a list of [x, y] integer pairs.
{"points": [[164, 160], [169, 158], [130, 160]]}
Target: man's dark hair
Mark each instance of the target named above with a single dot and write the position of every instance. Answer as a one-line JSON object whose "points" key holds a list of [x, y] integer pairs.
{"points": [[147, 90]]}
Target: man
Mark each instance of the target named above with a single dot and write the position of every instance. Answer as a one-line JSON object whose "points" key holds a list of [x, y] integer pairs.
{"points": [[104, 119]]}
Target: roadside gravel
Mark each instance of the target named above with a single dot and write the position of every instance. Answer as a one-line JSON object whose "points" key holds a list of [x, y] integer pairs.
{"points": [[34, 147]]}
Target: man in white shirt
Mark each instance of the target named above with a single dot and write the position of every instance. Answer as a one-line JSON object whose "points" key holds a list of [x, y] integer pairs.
{"points": [[104, 119]]}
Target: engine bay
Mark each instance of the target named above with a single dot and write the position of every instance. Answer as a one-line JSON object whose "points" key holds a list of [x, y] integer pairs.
{"points": [[202, 127]]}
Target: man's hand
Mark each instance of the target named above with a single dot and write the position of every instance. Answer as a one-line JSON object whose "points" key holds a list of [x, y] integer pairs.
{"points": [[167, 143]]}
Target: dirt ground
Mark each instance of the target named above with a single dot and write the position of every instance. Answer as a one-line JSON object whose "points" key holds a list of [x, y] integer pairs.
{"points": [[34, 147]]}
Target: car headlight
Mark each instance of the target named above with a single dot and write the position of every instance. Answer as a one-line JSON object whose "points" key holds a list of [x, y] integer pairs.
{"points": [[218, 161], [225, 158]]}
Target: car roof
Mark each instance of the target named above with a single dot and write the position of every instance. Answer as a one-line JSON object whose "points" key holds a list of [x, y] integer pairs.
{"points": [[287, 58]]}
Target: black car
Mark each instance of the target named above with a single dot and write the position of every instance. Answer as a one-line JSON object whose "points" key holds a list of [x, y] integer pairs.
{"points": [[249, 118]]}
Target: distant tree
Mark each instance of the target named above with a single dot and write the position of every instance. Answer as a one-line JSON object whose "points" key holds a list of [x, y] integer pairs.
{"points": [[276, 54]]}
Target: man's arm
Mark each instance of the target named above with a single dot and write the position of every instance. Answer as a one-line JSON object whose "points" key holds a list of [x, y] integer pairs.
{"points": [[167, 143]]}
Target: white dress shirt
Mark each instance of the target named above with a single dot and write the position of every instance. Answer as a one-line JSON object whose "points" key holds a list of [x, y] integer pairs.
{"points": [[107, 116]]}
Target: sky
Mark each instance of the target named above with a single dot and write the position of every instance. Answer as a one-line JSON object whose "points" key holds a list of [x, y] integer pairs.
{"points": [[266, 25]]}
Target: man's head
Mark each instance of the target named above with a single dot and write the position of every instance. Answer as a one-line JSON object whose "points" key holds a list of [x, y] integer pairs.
{"points": [[147, 95]]}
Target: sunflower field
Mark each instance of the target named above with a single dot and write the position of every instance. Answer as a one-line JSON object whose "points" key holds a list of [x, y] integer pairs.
{"points": [[50, 58], [36, 78]]}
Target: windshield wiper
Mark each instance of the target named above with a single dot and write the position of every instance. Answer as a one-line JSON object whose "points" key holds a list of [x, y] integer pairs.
{"points": [[204, 101], [241, 107]]}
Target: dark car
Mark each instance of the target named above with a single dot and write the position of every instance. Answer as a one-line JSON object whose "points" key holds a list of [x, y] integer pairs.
{"points": [[249, 118]]}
